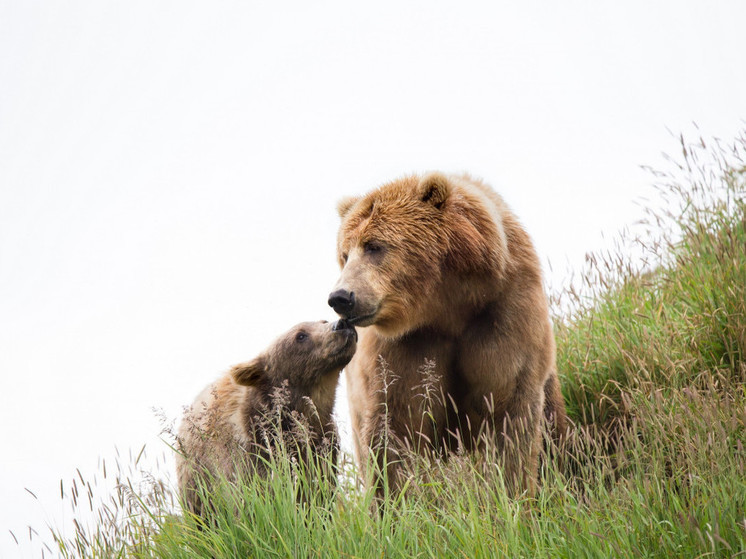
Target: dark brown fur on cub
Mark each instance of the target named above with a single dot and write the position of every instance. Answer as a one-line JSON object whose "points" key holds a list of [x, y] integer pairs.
{"points": [[286, 393], [438, 269]]}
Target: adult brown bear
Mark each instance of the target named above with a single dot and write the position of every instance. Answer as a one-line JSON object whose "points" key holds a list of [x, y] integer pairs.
{"points": [[446, 281]]}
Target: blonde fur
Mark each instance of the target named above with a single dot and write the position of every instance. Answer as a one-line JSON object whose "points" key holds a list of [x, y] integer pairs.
{"points": [[442, 271]]}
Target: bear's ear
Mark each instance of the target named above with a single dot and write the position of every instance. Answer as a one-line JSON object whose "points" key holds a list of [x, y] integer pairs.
{"points": [[434, 189], [345, 204], [249, 373]]}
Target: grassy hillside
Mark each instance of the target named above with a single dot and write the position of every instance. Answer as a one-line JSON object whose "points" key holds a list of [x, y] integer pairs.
{"points": [[652, 362]]}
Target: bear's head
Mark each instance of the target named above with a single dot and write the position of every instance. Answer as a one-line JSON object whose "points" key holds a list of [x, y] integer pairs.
{"points": [[403, 246], [305, 361]]}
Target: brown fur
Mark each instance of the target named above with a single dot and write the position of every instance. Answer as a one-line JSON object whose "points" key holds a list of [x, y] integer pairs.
{"points": [[287, 391], [442, 270]]}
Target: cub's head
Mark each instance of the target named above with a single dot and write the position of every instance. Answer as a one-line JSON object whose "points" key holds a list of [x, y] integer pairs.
{"points": [[307, 360], [391, 246]]}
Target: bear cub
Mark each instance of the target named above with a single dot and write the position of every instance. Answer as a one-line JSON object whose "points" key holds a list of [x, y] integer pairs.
{"points": [[284, 395]]}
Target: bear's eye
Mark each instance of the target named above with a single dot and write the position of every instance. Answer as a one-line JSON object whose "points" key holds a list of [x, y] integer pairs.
{"points": [[344, 257], [371, 247], [301, 337]]}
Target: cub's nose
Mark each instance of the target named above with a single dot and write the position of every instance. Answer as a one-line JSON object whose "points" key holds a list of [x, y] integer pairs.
{"points": [[342, 301], [343, 325]]}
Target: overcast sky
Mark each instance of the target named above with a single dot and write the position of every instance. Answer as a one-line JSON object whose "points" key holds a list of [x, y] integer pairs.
{"points": [[169, 173]]}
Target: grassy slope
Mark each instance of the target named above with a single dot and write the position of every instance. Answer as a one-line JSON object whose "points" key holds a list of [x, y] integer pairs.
{"points": [[653, 372]]}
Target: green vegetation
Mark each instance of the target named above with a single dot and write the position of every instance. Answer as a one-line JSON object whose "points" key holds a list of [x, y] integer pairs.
{"points": [[652, 363]]}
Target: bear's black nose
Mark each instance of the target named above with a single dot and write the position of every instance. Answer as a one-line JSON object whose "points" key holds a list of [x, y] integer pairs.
{"points": [[342, 301]]}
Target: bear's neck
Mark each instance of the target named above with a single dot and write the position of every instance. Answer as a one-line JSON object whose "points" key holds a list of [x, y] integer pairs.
{"points": [[451, 310], [312, 405]]}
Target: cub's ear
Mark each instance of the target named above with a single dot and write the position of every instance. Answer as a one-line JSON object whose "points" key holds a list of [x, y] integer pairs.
{"points": [[345, 205], [434, 189], [249, 373]]}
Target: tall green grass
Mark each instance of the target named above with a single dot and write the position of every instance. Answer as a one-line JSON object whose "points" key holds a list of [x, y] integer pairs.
{"points": [[651, 356]]}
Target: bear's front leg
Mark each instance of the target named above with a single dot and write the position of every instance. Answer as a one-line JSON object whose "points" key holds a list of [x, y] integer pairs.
{"points": [[519, 444], [504, 365]]}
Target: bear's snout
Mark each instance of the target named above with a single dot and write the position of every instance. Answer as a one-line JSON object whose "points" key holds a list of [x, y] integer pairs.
{"points": [[344, 325], [342, 301]]}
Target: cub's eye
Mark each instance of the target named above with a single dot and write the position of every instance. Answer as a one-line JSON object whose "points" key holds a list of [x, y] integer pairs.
{"points": [[344, 256], [301, 337], [371, 247]]}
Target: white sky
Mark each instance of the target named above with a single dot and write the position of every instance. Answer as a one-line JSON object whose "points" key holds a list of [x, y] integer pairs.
{"points": [[169, 173]]}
